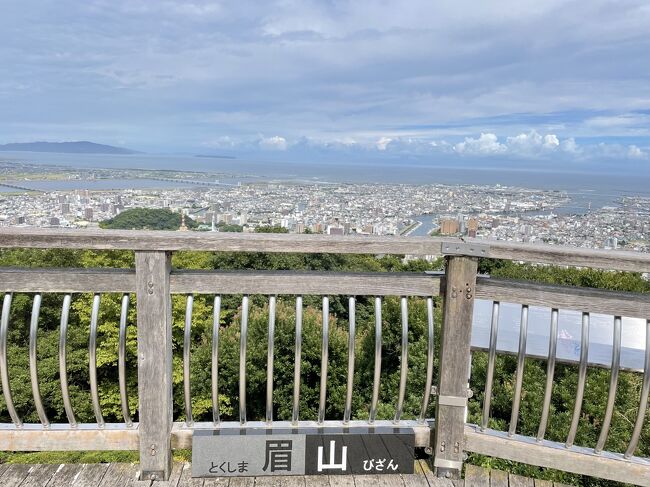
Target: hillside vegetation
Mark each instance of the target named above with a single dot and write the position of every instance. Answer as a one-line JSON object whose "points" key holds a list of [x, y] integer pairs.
{"points": [[147, 219]]}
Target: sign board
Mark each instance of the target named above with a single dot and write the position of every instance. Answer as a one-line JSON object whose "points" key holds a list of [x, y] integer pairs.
{"points": [[260, 452]]}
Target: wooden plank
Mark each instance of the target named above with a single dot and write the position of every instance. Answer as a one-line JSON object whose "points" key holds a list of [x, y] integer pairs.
{"points": [[458, 306], [241, 482], [65, 475], [318, 480], [635, 305], [543, 483], [498, 478], [214, 241], [477, 476], [415, 480], [3, 467], [519, 481], [435, 481], [339, 481], [568, 256], [182, 435], [316, 283], [280, 481], [70, 280], [155, 363], [91, 474], [40, 475], [120, 475], [188, 481], [81, 439], [15, 474], [577, 460]]}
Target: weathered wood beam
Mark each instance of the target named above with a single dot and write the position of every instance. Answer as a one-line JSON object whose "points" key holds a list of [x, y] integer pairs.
{"points": [[66, 280], [583, 461], [633, 305], [305, 283]]}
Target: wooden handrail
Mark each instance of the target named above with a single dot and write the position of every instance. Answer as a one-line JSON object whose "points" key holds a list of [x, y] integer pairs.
{"points": [[96, 239]]}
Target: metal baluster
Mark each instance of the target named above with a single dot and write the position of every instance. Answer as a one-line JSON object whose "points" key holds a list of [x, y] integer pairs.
{"points": [[521, 359], [550, 372], [121, 360], [215, 359], [187, 342], [613, 382], [494, 328], [92, 359], [324, 359], [4, 370], [582, 377], [643, 402], [242, 359], [63, 367], [351, 336], [269, 361], [404, 365], [377, 373], [430, 353], [297, 362], [33, 370]]}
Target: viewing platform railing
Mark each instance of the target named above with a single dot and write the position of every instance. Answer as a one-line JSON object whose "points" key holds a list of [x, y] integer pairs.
{"points": [[446, 436]]}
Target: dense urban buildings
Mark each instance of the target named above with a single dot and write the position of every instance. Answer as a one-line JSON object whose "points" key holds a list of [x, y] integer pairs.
{"points": [[491, 212]]}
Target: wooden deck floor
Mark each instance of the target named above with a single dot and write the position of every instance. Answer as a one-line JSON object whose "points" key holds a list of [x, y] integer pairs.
{"points": [[125, 475]]}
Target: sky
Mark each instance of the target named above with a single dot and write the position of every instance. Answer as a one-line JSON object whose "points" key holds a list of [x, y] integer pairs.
{"points": [[531, 82]]}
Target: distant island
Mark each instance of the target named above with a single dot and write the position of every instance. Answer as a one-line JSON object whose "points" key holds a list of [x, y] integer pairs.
{"points": [[81, 147], [210, 156]]}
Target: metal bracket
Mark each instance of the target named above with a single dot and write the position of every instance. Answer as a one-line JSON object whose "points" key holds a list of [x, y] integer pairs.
{"points": [[152, 475], [465, 248], [444, 463], [454, 401]]}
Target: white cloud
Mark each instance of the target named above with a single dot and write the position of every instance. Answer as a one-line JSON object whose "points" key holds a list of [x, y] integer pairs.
{"points": [[273, 143], [570, 145], [634, 152], [485, 144], [383, 142]]}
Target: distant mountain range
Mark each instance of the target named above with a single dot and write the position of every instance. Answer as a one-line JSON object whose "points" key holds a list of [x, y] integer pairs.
{"points": [[81, 147]]}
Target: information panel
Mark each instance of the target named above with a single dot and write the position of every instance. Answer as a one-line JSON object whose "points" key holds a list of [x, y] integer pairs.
{"points": [[259, 452]]}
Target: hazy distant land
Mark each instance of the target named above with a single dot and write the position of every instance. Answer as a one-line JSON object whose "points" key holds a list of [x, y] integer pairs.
{"points": [[80, 147]]}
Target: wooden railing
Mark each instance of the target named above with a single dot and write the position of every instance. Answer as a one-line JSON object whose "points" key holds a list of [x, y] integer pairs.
{"points": [[154, 282]]}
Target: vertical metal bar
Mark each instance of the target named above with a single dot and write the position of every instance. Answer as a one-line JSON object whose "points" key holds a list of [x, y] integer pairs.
{"points": [[492, 354], [550, 372], [404, 359], [324, 360], [582, 378], [216, 321], [4, 370], [297, 362], [377, 372], [347, 412], [33, 370], [243, 337], [269, 361], [521, 359], [63, 366], [121, 360], [92, 359], [187, 344], [613, 382], [430, 352], [643, 402]]}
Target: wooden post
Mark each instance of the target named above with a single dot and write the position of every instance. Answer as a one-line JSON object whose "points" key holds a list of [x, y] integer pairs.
{"points": [[458, 306], [154, 363]]}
